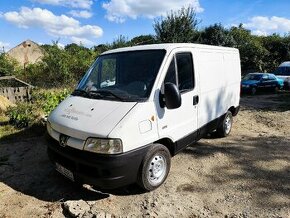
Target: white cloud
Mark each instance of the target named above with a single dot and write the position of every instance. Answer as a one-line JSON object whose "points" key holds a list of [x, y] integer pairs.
{"points": [[119, 10], [85, 4], [83, 41], [82, 14], [55, 25], [267, 25]]}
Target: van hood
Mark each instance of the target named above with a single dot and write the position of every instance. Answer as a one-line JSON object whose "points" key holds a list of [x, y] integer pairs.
{"points": [[81, 117]]}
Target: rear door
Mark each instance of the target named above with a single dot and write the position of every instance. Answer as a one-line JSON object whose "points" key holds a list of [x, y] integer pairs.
{"points": [[180, 124]]}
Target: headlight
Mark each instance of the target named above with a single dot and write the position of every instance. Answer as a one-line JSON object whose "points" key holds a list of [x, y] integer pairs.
{"points": [[104, 146]]}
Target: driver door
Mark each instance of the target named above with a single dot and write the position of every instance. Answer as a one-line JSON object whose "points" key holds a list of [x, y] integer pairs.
{"points": [[180, 124]]}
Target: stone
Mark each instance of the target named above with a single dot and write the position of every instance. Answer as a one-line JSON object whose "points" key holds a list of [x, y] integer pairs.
{"points": [[76, 208]]}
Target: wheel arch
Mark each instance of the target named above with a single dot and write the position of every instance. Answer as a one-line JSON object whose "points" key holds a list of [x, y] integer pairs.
{"points": [[234, 110], [168, 143]]}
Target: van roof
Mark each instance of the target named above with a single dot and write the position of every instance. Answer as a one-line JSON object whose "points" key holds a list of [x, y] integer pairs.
{"points": [[285, 64], [168, 47]]}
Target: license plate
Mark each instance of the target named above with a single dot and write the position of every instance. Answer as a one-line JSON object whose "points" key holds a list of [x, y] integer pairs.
{"points": [[64, 171]]}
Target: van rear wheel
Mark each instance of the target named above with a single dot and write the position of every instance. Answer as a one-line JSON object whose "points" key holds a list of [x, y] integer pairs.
{"points": [[154, 168], [226, 126]]}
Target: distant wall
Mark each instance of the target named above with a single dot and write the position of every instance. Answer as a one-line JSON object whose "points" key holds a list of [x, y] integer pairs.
{"points": [[15, 90]]}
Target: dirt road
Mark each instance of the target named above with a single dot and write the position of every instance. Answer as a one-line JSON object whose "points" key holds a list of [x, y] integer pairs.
{"points": [[244, 175]]}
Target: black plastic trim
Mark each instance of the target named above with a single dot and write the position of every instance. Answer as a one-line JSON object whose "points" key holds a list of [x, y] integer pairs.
{"points": [[102, 170]]}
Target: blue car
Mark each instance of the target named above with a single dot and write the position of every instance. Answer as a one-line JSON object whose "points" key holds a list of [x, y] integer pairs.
{"points": [[254, 82]]}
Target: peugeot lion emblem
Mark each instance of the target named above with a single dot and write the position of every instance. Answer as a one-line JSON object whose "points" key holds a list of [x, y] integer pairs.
{"points": [[63, 140]]}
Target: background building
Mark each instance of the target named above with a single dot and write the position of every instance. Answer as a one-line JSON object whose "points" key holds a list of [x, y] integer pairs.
{"points": [[27, 52]]}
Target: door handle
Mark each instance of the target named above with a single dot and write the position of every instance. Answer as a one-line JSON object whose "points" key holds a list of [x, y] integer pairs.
{"points": [[195, 100]]}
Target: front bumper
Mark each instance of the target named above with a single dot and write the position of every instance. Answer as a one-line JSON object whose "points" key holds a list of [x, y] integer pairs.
{"points": [[101, 170]]}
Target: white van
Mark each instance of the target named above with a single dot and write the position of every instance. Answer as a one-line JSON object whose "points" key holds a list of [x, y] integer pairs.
{"points": [[283, 72], [137, 107]]}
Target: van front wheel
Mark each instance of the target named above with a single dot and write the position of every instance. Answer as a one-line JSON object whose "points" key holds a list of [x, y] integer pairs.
{"points": [[226, 126], [154, 168]]}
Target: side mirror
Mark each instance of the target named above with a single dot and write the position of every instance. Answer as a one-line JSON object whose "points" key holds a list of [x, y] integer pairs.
{"points": [[172, 96]]}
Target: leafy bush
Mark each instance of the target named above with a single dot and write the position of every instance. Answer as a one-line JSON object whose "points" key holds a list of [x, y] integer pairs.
{"points": [[22, 115], [48, 100], [8, 66], [26, 114]]}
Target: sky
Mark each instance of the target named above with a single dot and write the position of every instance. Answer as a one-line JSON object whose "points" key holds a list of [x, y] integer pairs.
{"points": [[93, 22]]}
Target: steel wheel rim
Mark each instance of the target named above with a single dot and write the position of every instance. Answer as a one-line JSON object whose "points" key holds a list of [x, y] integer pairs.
{"points": [[156, 170], [228, 124]]}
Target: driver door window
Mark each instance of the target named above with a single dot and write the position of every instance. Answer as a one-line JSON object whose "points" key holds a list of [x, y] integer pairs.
{"points": [[180, 72]]}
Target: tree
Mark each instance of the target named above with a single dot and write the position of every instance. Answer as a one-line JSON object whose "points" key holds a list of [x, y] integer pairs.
{"points": [[100, 48], [216, 35], [251, 49], [120, 42], [143, 40], [8, 66], [179, 26], [80, 58], [277, 51]]}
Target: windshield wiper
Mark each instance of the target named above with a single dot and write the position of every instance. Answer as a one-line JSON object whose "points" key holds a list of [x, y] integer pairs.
{"points": [[102, 91], [80, 92]]}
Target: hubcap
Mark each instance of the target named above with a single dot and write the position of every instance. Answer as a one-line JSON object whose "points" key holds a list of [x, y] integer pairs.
{"points": [[156, 170], [228, 124]]}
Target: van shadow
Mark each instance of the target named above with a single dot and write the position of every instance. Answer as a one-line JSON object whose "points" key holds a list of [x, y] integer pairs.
{"points": [[257, 165], [25, 167]]}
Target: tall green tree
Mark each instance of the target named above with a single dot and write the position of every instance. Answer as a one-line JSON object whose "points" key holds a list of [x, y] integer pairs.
{"points": [[143, 40], [278, 50], [120, 42], [80, 58], [216, 35], [178, 26], [251, 49]]}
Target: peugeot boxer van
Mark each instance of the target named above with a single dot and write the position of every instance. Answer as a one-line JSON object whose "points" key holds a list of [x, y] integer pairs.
{"points": [[137, 107]]}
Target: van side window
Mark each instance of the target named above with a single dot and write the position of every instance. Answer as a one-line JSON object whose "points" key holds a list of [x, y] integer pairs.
{"points": [[185, 74], [185, 71], [171, 73]]}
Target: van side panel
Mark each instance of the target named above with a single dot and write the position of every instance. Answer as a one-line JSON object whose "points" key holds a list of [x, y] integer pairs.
{"points": [[219, 78]]}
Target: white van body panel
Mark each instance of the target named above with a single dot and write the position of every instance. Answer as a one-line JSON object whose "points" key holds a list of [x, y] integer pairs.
{"points": [[138, 127], [219, 79], [81, 118]]}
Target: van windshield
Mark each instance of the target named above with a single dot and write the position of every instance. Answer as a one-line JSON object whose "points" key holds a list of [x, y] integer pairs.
{"points": [[123, 76]]}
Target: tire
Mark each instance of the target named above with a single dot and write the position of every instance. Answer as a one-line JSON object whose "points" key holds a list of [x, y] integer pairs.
{"points": [[154, 168], [225, 127], [276, 89], [253, 90]]}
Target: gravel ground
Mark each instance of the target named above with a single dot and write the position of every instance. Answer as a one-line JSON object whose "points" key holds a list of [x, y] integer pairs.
{"points": [[244, 175]]}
